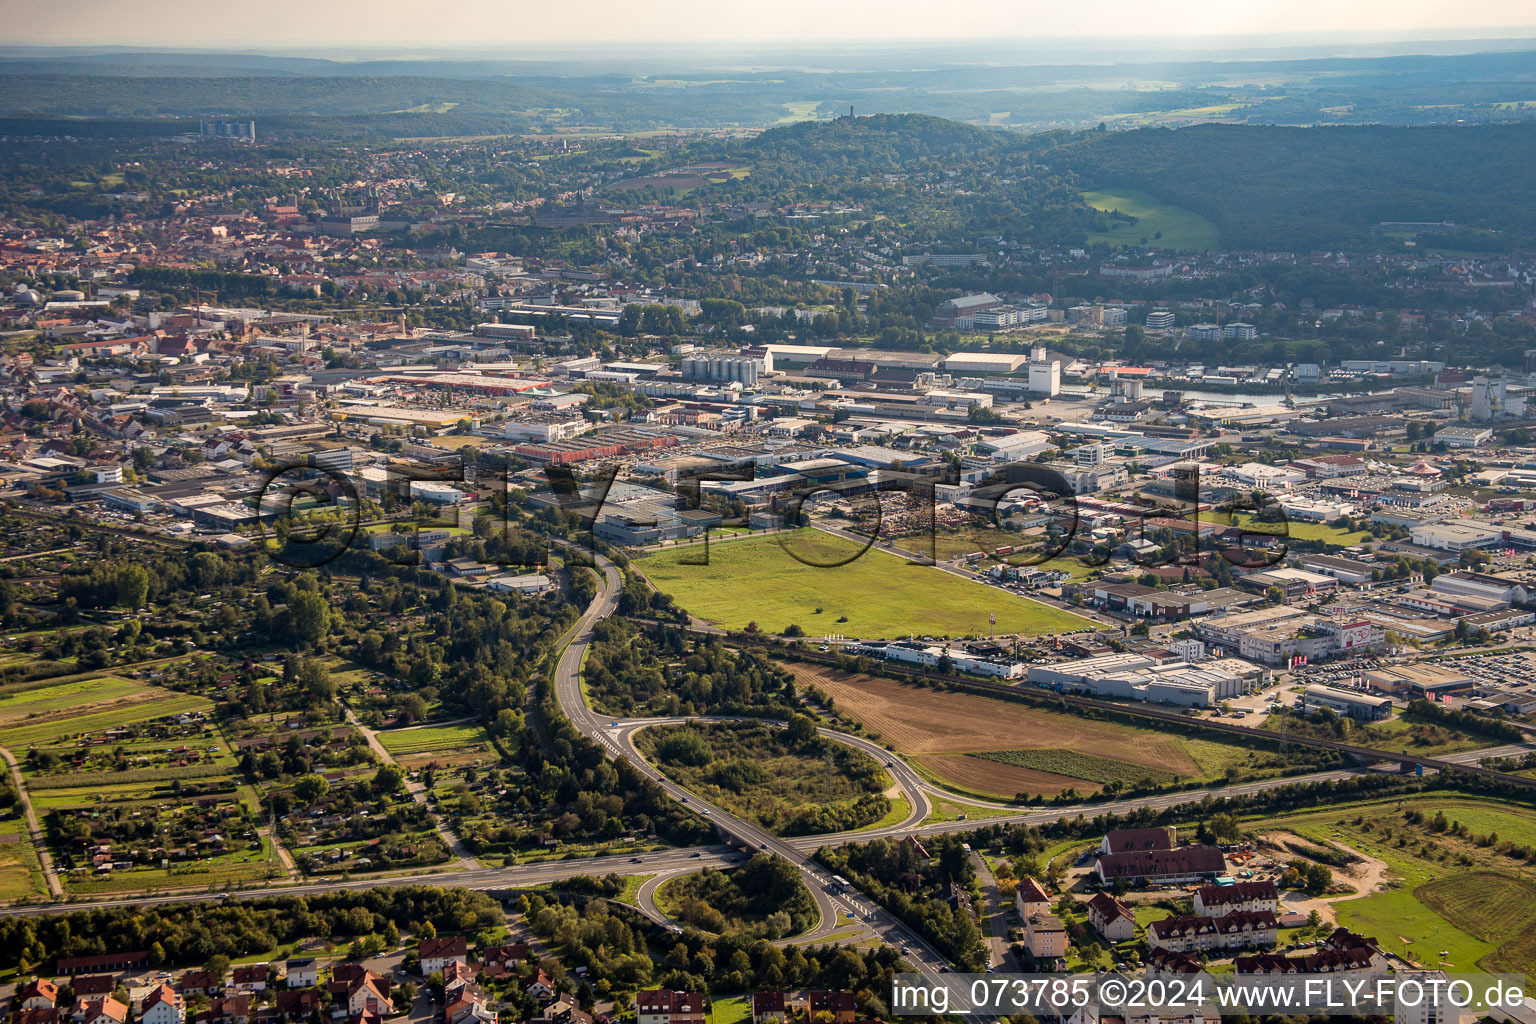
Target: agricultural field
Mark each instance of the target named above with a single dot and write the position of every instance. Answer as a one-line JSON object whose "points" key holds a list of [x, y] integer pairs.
{"points": [[459, 744], [1158, 225], [997, 749], [180, 747], [760, 773], [1079, 765], [1459, 877], [41, 714], [874, 594]]}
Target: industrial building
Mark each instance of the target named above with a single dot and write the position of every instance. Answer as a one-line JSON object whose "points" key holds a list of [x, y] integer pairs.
{"points": [[1359, 706], [743, 370], [1136, 677]]}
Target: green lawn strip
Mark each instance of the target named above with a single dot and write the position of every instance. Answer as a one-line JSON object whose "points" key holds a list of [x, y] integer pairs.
{"points": [[1301, 531], [946, 810]]}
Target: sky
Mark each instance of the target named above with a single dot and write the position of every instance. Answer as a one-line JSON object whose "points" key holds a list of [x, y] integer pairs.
{"points": [[519, 27]]}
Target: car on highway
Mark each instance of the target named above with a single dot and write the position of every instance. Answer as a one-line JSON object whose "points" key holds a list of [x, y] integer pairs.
{"points": [[695, 855], [636, 860]]}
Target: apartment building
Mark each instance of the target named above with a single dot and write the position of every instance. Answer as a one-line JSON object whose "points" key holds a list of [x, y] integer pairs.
{"points": [[1191, 933]]}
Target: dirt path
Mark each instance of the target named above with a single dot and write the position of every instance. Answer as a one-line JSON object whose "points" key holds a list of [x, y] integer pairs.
{"points": [[467, 861], [44, 858], [1365, 876]]}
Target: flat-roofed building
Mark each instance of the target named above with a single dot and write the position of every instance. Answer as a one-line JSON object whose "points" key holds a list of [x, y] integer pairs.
{"points": [[1345, 570], [1480, 584], [1359, 706], [1420, 680], [1455, 537]]}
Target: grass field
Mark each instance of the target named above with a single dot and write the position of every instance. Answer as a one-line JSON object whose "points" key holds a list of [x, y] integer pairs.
{"points": [[730, 1009], [1181, 229], [875, 594], [20, 874], [1303, 531], [428, 738], [28, 699], [1445, 892], [956, 739], [145, 703]]}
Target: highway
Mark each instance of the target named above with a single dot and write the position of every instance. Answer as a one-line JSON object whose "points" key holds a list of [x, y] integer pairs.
{"points": [[840, 911], [836, 907]]}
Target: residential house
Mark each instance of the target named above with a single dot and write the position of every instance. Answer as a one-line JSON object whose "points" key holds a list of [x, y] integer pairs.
{"points": [[840, 1006], [88, 985], [1166, 961], [1031, 898], [561, 1010], [99, 1011], [1161, 867], [469, 1010], [162, 1006], [1343, 953], [1045, 937], [504, 957], [201, 983], [1111, 918], [769, 1007], [251, 977], [438, 953], [1220, 900], [38, 994], [1188, 933], [919, 850], [368, 995], [302, 973], [458, 979], [298, 1004], [666, 1006], [541, 986], [1129, 840], [234, 1009]]}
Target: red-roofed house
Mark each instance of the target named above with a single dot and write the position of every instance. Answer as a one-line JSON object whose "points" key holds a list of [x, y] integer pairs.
{"points": [[38, 994], [439, 953]]}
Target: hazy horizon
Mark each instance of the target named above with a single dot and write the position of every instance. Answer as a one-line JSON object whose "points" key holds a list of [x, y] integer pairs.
{"points": [[483, 28]]}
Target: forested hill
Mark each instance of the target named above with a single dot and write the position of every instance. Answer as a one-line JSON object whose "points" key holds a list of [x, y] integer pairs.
{"points": [[1303, 188], [889, 143]]}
